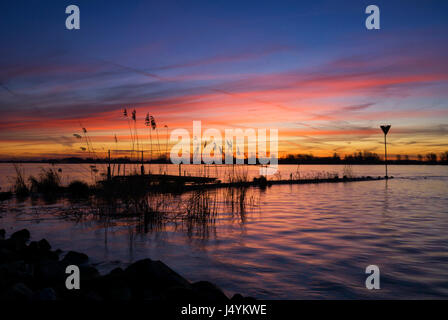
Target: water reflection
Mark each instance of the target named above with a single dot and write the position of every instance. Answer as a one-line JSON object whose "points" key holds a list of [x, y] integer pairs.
{"points": [[386, 197], [307, 241]]}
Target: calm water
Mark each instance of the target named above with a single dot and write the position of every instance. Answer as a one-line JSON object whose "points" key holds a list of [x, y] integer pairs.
{"points": [[300, 241]]}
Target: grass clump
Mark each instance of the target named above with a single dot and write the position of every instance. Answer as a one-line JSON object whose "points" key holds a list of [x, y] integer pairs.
{"points": [[20, 187], [78, 189], [48, 182]]}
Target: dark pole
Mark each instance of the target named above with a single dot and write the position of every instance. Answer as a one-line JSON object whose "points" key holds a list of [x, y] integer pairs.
{"points": [[385, 154], [142, 168], [108, 169], [385, 129]]}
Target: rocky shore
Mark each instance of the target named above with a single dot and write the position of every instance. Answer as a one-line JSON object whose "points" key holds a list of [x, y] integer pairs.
{"points": [[32, 271]]}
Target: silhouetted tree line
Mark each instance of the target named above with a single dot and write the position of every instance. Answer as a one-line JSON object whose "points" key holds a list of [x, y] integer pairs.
{"points": [[365, 157]]}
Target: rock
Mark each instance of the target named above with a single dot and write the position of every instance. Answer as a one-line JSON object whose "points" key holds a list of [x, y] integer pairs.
{"points": [[209, 292], [88, 273], [113, 286], [76, 258], [117, 272], [23, 267], [93, 296], [237, 298], [37, 251], [121, 293], [44, 245], [23, 235], [17, 241], [33, 245], [154, 275], [180, 294], [150, 295], [46, 294], [14, 271], [20, 291], [50, 273], [13, 244], [6, 255]]}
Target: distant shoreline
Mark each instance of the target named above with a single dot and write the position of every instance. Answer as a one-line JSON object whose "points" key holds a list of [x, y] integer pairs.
{"points": [[280, 162]]}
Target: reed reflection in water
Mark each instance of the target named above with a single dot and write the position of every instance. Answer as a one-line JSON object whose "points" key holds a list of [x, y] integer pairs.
{"points": [[297, 241]]}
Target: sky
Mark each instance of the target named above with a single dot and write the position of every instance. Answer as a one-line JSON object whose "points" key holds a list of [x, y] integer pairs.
{"points": [[310, 69]]}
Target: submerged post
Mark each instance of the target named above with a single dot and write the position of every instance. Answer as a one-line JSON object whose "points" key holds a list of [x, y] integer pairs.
{"points": [[108, 169], [142, 168], [385, 129]]}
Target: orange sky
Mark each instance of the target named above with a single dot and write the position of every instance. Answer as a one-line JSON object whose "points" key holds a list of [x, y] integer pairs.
{"points": [[325, 89]]}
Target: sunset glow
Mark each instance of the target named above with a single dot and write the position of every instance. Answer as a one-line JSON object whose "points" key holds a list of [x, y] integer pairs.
{"points": [[326, 86]]}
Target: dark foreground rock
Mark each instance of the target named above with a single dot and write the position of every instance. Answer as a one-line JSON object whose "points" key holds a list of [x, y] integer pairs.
{"points": [[31, 271]]}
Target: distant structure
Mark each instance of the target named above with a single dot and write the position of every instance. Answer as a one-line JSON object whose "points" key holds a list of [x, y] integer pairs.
{"points": [[385, 129]]}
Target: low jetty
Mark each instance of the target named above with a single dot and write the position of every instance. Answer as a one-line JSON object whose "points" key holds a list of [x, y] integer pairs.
{"points": [[262, 182], [32, 271], [49, 185], [166, 178]]}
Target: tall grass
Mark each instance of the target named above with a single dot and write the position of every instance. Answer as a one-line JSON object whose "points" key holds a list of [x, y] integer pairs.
{"points": [[201, 205], [20, 187], [48, 182], [347, 172]]}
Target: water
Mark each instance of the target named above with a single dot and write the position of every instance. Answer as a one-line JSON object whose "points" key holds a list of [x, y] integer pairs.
{"points": [[301, 241]]}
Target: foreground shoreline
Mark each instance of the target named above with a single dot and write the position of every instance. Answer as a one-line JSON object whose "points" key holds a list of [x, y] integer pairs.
{"points": [[179, 187], [32, 271]]}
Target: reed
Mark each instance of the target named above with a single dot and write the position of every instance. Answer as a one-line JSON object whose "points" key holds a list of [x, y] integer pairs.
{"points": [[48, 182], [201, 205], [78, 189], [20, 188], [348, 171], [148, 124], [126, 116]]}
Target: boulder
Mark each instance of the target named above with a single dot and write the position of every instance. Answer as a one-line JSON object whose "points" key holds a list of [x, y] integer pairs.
{"points": [[44, 245], [238, 298], [37, 251], [93, 296], [15, 271], [117, 272], [76, 258], [23, 235], [119, 293], [20, 291], [6, 255], [209, 292], [154, 275], [88, 273], [180, 294], [45, 294], [13, 244], [113, 286], [50, 273]]}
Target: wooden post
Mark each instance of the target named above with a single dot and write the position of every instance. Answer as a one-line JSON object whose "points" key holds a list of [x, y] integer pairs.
{"points": [[142, 168], [385, 155], [109, 176]]}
